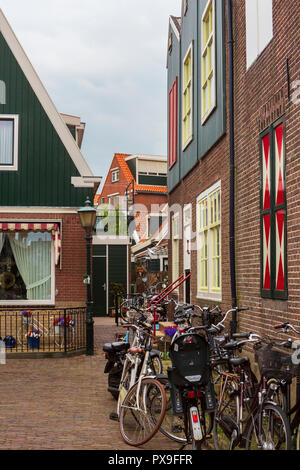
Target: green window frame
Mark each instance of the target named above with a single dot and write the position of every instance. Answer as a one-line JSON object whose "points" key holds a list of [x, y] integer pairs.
{"points": [[273, 212]]}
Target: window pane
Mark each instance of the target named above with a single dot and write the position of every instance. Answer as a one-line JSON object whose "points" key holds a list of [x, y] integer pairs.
{"points": [[6, 142]]}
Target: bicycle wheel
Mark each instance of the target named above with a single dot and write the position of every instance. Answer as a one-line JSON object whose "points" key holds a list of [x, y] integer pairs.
{"points": [[225, 423], [274, 433], [172, 425], [136, 424], [155, 365]]}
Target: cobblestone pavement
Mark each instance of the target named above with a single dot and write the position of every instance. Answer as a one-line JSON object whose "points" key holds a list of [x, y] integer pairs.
{"points": [[63, 403]]}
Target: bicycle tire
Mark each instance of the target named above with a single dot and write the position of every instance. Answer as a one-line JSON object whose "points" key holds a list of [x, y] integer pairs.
{"points": [[277, 423], [136, 424], [172, 425], [225, 423], [156, 365]]}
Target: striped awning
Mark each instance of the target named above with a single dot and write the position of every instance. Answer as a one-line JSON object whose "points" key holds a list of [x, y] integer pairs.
{"points": [[36, 227]]}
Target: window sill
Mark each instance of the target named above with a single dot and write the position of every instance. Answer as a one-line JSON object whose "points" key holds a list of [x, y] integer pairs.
{"points": [[209, 296], [207, 115], [12, 303]]}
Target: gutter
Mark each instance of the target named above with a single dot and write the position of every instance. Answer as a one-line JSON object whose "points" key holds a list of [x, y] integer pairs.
{"points": [[232, 159]]}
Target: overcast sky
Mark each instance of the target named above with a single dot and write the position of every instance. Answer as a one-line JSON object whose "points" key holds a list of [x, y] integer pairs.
{"points": [[105, 61]]}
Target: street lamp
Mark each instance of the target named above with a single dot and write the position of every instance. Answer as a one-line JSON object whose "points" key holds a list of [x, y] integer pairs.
{"points": [[87, 215]]}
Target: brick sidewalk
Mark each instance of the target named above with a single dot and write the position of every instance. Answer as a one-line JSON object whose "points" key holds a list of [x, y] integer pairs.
{"points": [[62, 403]]}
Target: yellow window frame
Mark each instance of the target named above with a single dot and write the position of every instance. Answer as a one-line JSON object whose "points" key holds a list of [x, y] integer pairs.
{"points": [[187, 97], [208, 92]]}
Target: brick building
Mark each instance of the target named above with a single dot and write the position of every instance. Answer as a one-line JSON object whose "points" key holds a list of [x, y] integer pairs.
{"points": [[132, 201], [246, 252], [44, 180]]}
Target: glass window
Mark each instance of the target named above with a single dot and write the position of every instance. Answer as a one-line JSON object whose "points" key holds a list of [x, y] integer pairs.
{"points": [[175, 248], [208, 61], [259, 27], [187, 101], [209, 241], [115, 176], [173, 123], [8, 142], [26, 266]]}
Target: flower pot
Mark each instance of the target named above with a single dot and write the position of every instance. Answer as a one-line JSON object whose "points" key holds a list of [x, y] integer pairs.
{"points": [[34, 343]]}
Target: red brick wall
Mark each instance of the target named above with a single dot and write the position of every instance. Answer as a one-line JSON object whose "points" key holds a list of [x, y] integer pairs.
{"points": [[70, 290], [116, 187], [261, 96]]}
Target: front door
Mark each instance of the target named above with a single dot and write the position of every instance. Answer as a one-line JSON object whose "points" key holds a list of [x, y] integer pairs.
{"points": [[99, 282]]}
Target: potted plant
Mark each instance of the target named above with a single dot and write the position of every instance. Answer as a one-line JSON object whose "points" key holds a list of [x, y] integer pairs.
{"points": [[33, 338], [60, 322], [26, 315]]}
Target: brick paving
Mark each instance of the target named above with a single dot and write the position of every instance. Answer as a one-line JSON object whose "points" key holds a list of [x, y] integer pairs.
{"points": [[63, 403]]}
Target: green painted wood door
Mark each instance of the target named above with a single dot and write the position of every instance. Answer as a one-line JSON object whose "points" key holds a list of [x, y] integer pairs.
{"points": [[99, 284]]}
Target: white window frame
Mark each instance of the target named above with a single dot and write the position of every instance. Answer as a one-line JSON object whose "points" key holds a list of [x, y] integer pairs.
{"points": [[175, 238], [15, 119], [115, 175], [259, 32], [51, 301], [209, 293], [211, 41], [190, 85]]}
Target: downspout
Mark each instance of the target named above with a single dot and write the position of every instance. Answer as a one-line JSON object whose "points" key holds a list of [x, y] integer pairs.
{"points": [[232, 173]]}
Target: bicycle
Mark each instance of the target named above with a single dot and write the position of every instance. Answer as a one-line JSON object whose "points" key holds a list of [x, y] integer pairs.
{"points": [[245, 415], [280, 386], [141, 406]]}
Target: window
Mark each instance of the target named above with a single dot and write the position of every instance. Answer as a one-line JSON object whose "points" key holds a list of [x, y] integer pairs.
{"points": [[27, 264], [259, 27], [8, 142], [273, 213], [115, 176], [209, 243], [208, 52], [187, 99], [173, 123], [2, 92], [175, 248]]}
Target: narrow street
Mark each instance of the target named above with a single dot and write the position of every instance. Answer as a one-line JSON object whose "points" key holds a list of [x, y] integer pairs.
{"points": [[63, 404]]}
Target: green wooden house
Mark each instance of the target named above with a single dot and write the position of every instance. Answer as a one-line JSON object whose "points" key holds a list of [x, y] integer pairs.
{"points": [[44, 179]]}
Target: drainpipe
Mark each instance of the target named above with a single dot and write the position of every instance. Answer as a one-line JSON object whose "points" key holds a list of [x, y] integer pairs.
{"points": [[233, 324]]}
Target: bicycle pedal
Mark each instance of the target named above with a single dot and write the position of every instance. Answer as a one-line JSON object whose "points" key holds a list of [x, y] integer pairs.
{"points": [[208, 436], [114, 417]]}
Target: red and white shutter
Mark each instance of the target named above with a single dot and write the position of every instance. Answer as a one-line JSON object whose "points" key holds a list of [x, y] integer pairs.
{"points": [[280, 213], [266, 216]]}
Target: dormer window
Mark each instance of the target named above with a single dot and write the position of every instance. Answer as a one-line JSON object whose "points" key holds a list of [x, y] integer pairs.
{"points": [[8, 142], [115, 176]]}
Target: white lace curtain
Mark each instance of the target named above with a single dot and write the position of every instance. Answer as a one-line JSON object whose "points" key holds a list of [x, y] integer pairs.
{"points": [[32, 253]]}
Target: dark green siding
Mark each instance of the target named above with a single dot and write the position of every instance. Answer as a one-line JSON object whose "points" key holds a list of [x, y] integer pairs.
{"points": [[153, 180], [204, 136], [174, 60], [44, 166], [117, 267]]}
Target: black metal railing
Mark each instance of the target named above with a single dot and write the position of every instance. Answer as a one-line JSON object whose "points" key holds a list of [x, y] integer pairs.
{"points": [[43, 330]]}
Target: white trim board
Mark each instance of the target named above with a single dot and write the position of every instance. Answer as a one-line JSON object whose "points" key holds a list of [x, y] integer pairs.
{"points": [[42, 95]]}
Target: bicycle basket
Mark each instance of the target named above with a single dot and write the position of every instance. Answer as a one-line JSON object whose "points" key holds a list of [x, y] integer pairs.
{"points": [[275, 364], [189, 354]]}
